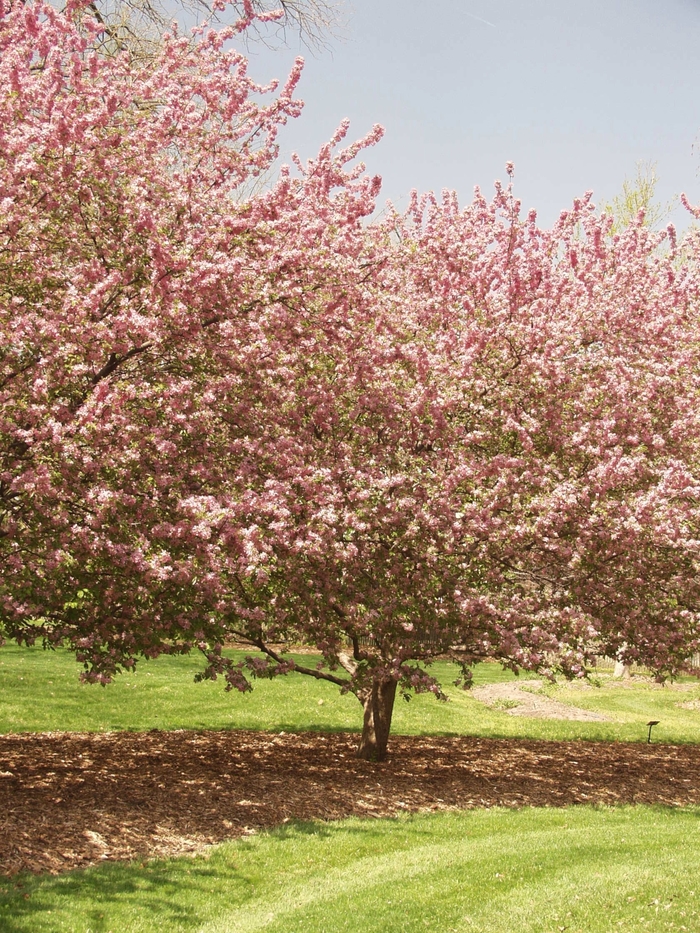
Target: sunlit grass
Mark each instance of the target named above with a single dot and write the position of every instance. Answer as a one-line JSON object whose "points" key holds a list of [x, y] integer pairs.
{"points": [[591, 870], [41, 692]]}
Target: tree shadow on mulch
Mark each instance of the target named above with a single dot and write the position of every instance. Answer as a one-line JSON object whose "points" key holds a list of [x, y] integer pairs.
{"points": [[73, 799]]}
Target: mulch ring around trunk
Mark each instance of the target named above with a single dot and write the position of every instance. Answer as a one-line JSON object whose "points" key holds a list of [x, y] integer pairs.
{"points": [[73, 799]]}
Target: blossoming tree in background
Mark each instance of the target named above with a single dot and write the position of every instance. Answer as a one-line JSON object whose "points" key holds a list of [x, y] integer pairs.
{"points": [[262, 418]]}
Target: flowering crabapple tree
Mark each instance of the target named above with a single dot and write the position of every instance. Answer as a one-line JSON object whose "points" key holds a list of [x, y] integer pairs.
{"points": [[260, 417]]}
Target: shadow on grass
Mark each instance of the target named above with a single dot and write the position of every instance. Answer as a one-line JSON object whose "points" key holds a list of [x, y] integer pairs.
{"points": [[166, 894], [174, 894]]}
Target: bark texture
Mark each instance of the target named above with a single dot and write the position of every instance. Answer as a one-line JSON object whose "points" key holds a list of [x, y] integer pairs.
{"points": [[378, 704]]}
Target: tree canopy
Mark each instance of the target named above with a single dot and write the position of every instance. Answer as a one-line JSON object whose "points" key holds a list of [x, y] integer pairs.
{"points": [[267, 417]]}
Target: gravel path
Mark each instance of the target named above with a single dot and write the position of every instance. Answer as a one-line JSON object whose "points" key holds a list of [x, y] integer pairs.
{"points": [[524, 699]]}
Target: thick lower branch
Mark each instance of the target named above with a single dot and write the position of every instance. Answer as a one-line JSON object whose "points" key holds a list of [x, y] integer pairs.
{"points": [[300, 669]]}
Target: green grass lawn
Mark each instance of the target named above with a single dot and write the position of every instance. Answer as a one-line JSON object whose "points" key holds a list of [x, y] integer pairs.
{"points": [[496, 871], [582, 870], [40, 692]]}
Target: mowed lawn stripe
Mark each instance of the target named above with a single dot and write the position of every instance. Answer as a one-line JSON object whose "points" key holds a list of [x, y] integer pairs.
{"points": [[497, 872]]}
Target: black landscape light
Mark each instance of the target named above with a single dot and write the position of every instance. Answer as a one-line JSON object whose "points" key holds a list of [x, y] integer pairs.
{"points": [[651, 724]]}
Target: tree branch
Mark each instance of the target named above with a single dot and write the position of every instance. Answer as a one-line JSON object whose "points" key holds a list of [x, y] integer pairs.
{"points": [[115, 361], [308, 671]]}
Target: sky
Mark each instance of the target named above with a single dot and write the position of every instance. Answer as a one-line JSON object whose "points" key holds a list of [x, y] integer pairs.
{"points": [[574, 93]]}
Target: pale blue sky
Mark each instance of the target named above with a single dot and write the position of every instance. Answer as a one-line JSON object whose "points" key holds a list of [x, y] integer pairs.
{"points": [[573, 92]]}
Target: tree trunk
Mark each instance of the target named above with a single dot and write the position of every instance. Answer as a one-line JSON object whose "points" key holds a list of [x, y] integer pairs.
{"points": [[379, 705], [622, 670]]}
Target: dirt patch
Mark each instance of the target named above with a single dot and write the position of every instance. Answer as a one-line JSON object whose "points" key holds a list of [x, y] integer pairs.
{"points": [[524, 699], [70, 799]]}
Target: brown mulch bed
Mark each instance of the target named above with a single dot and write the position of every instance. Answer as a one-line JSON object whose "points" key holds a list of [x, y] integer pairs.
{"points": [[71, 799]]}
